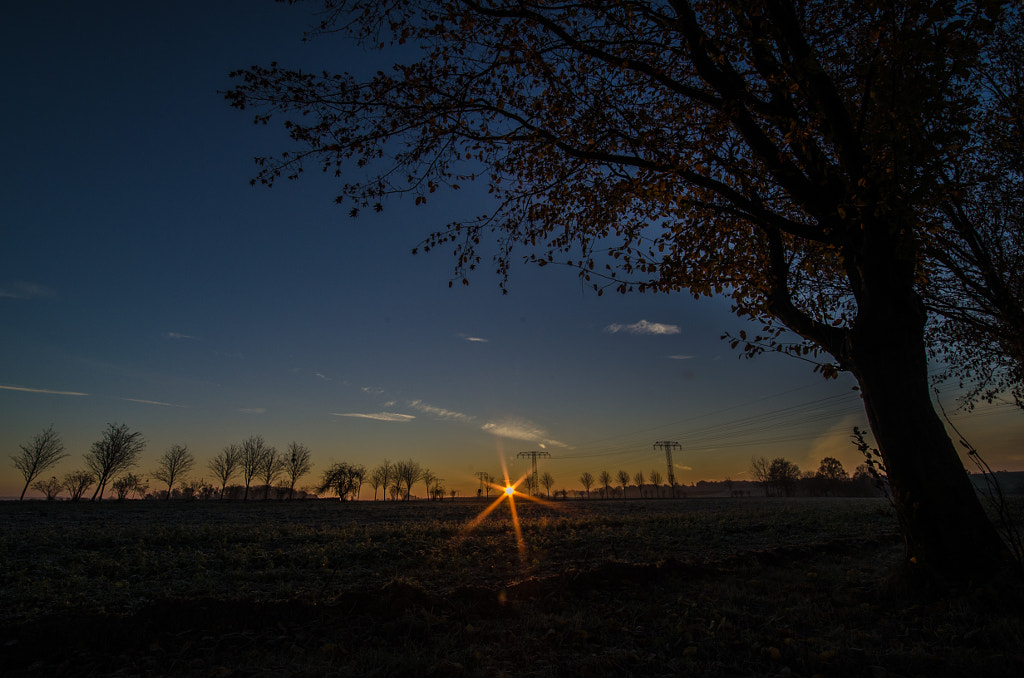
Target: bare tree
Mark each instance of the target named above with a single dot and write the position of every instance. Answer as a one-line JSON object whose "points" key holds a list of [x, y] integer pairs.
{"points": [[42, 453], [548, 481], [428, 478], [174, 465], [760, 471], [76, 483], [51, 488], [587, 481], [128, 485], [270, 469], [117, 451], [407, 473], [383, 474], [605, 479], [656, 481], [638, 478], [251, 460], [297, 463], [225, 465], [623, 477]]}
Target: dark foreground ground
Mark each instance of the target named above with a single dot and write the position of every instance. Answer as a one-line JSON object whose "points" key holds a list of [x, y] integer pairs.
{"points": [[619, 588]]}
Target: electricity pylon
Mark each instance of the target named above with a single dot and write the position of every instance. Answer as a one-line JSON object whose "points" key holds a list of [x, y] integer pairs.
{"points": [[668, 446], [533, 456]]}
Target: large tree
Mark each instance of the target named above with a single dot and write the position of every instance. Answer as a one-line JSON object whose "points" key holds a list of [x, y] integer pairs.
{"points": [[810, 160], [116, 452], [42, 452]]}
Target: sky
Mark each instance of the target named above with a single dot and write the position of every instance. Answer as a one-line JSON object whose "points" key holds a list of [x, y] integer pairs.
{"points": [[144, 281]]}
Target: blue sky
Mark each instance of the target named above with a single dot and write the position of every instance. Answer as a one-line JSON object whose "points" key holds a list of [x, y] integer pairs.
{"points": [[144, 281]]}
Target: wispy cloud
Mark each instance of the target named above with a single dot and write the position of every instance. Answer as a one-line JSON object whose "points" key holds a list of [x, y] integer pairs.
{"points": [[521, 430], [252, 410], [479, 340], [439, 412], [680, 357], [179, 335], [24, 290], [42, 390], [377, 416], [321, 376], [643, 327], [151, 402]]}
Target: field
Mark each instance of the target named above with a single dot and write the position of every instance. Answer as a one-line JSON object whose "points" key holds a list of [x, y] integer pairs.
{"points": [[715, 587]]}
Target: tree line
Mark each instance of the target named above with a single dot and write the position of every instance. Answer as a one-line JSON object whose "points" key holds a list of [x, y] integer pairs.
{"points": [[260, 468], [112, 459]]}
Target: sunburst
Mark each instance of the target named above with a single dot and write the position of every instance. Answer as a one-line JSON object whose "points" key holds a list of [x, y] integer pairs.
{"points": [[508, 492]]}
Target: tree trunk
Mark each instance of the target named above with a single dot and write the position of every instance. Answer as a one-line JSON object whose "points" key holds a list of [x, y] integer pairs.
{"points": [[949, 538]]}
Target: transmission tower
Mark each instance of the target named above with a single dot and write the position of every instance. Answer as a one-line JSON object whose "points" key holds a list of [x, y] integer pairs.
{"points": [[533, 457], [668, 446], [484, 477]]}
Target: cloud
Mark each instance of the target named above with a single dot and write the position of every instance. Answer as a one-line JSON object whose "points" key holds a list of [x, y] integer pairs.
{"points": [[42, 390], [151, 402], [377, 416], [252, 410], [683, 468], [439, 412], [521, 430], [24, 290], [643, 327], [179, 335], [680, 357], [478, 340], [321, 376]]}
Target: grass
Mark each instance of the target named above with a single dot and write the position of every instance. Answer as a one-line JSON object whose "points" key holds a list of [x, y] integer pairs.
{"points": [[630, 588]]}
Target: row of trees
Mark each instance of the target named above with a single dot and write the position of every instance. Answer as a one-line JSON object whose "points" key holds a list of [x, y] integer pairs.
{"points": [[111, 459], [780, 477]]}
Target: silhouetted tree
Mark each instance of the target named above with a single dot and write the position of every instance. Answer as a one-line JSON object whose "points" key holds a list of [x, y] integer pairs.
{"points": [[127, 485], [271, 468], [813, 160], [548, 481], [382, 476], [656, 481], [51, 487], [41, 453], [831, 475], [605, 479], [639, 480], [343, 479], [253, 453], [587, 481], [77, 482], [117, 451], [407, 474], [783, 476], [760, 471], [225, 465], [429, 480], [297, 463], [623, 477], [174, 465]]}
